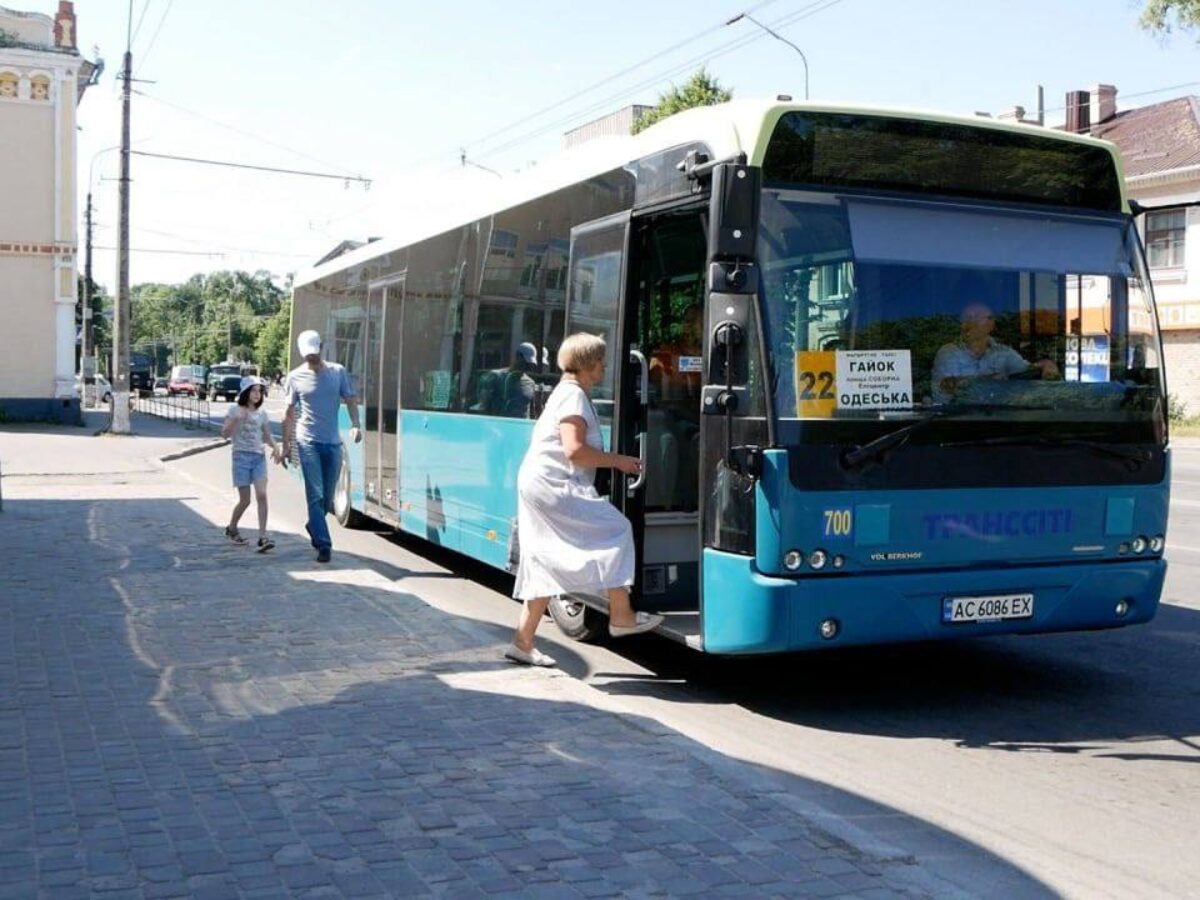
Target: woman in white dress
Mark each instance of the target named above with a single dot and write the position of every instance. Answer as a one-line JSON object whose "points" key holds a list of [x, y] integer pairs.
{"points": [[571, 538]]}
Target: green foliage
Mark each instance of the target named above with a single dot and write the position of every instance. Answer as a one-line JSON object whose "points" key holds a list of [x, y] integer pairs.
{"points": [[1162, 16], [699, 90], [1177, 410], [207, 319], [271, 345], [102, 305]]}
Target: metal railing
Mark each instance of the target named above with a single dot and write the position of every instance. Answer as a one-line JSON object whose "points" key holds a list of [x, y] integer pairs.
{"points": [[191, 412]]}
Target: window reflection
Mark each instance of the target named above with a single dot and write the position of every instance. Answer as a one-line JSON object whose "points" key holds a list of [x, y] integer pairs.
{"points": [[865, 318]]}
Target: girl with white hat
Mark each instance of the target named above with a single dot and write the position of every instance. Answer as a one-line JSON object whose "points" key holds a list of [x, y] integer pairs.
{"points": [[247, 426]]}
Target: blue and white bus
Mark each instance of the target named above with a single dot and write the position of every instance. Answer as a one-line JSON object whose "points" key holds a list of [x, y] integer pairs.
{"points": [[894, 376]]}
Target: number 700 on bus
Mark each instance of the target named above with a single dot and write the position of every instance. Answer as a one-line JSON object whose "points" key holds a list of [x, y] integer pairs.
{"points": [[838, 522]]}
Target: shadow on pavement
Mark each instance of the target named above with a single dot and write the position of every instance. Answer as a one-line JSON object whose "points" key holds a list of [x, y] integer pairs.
{"points": [[178, 711], [1061, 693]]}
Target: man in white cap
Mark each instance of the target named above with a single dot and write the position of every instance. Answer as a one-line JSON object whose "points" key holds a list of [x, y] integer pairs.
{"points": [[313, 392]]}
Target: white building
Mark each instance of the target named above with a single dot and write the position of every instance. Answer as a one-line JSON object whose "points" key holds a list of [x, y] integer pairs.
{"points": [[1160, 145], [42, 78]]}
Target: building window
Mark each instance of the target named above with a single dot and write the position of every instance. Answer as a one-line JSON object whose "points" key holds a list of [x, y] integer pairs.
{"points": [[1164, 238]]}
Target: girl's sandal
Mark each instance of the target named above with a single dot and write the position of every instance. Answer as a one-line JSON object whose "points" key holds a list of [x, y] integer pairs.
{"points": [[265, 544], [234, 535]]}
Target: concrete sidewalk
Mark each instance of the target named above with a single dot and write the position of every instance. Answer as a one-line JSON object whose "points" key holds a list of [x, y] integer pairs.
{"points": [[182, 717]]}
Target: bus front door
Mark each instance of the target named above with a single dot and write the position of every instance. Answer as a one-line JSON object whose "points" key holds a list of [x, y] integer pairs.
{"points": [[389, 402], [371, 389], [596, 304], [668, 261]]}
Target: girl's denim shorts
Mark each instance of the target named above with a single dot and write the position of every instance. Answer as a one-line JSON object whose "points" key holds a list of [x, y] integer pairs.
{"points": [[248, 468]]}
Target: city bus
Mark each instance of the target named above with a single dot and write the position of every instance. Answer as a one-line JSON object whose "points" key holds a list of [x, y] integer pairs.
{"points": [[893, 376]]}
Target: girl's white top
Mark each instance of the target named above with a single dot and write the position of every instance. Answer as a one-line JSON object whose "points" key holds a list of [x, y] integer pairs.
{"points": [[248, 437]]}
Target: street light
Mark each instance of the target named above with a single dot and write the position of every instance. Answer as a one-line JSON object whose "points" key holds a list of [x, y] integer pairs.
{"points": [[87, 348], [778, 37]]}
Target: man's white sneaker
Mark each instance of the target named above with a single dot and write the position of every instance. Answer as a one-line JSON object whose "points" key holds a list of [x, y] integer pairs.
{"points": [[534, 657], [645, 622]]}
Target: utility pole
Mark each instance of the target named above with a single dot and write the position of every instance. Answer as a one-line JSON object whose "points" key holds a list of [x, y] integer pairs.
{"points": [[229, 336], [87, 336], [120, 382]]}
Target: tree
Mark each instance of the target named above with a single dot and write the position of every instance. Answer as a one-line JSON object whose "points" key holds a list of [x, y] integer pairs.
{"points": [[271, 346], [205, 319], [699, 90], [1160, 16]]}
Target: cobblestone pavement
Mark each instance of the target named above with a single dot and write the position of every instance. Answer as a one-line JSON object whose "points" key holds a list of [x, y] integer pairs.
{"points": [[182, 717]]}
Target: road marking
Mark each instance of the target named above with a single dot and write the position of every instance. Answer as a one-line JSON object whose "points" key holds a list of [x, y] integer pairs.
{"points": [[1183, 547], [1178, 501]]}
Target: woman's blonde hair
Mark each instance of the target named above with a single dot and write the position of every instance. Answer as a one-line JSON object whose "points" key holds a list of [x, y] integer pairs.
{"points": [[580, 351]]}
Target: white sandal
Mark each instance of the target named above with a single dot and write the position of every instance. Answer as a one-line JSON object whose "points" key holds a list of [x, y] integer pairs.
{"points": [[645, 622], [534, 657]]}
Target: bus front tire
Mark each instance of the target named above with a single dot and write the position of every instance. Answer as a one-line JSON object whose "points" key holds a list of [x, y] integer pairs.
{"points": [[576, 619], [347, 516]]}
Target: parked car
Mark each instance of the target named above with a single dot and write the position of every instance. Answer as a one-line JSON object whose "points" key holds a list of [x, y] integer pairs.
{"points": [[187, 380], [160, 386], [181, 385], [102, 385]]}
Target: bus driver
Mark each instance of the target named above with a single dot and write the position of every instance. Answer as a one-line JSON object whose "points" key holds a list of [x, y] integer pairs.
{"points": [[978, 355]]}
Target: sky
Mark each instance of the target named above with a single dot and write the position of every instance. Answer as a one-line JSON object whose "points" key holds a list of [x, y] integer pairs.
{"points": [[393, 90]]}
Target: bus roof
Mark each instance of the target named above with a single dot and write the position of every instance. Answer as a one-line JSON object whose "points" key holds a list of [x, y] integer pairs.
{"points": [[738, 126]]}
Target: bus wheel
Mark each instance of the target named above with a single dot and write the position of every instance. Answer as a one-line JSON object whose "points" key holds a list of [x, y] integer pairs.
{"points": [[346, 515], [576, 619]]}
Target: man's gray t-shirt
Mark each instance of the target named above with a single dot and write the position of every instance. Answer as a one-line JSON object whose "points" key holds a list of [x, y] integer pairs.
{"points": [[316, 397]]}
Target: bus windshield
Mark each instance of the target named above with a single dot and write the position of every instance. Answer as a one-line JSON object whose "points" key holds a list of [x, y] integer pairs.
{"points": [[878, 309]]}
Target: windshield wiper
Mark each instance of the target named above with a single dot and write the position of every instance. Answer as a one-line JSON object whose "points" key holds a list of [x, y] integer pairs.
{"points": [[854, 457], [1135, 458]]}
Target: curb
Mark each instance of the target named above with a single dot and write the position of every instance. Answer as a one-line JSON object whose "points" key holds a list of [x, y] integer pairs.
{"points": [[192, 451]]}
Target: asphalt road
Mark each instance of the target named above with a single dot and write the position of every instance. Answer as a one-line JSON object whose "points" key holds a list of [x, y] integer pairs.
{"points": [[1074, 759]]}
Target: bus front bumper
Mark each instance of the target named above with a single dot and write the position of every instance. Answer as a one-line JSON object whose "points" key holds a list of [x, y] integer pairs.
{"points": [[748, 612]]}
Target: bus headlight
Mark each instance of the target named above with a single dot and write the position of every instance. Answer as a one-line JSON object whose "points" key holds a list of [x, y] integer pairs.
{"points": [[792, 560], [829, 629], [839, 561], [1157, 543], [817, 559], [1138, 544], [1122, 608]]}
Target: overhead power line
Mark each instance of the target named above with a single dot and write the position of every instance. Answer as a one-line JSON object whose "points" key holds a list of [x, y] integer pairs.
{"points": [[1161, 90], [224, 248], [232, 165], [141, 16], [243, 132], [652, 80], [158, 250], [611, 78], [806, 11], [154, 37], [810, 10]]}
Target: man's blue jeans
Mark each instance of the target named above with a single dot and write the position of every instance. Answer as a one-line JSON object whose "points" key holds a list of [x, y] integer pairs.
{"points": [[320, 465]]}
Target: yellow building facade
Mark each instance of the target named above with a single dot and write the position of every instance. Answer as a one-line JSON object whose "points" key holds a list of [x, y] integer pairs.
{"points": [[42, 78]]}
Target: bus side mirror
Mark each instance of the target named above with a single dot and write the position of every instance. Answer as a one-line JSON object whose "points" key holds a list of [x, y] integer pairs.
{"points": [[732, 286], [733, 211]]}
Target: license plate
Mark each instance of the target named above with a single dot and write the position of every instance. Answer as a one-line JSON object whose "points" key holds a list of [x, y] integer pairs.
{"points": [[987, 609]]}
